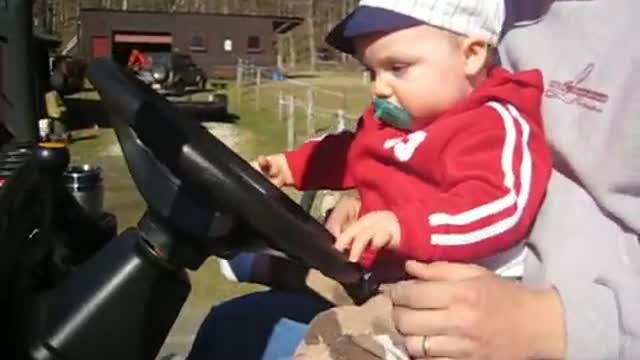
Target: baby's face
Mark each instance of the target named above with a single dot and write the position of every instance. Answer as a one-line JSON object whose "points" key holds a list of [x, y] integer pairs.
{"points": [[421, 68]]}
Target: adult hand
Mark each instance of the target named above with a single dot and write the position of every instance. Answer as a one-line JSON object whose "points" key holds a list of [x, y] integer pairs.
{"points": [[460, 311], [343, 214], [275, 168]]}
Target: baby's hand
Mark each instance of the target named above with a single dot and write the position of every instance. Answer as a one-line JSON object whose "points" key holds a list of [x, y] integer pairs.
{"points": [[275, 168], [376, 230]]}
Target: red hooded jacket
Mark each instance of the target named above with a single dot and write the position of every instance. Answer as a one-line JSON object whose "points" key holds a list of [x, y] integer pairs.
{"points": [[465, 186]]}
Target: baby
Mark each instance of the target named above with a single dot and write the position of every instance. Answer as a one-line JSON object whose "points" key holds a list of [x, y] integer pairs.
{"points": [[450, 159]]}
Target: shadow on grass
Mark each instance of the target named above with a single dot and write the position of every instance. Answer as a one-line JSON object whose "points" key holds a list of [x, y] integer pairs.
{"points": [[297, 76], [83, 136]]}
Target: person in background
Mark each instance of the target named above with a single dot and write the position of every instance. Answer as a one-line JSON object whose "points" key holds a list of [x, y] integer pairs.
{"points": [[137, 60]]}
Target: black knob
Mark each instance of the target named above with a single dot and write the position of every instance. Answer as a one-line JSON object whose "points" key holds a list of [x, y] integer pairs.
{"points": [[53, 160]]}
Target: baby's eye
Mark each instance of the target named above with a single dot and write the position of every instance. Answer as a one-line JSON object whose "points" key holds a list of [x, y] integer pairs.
{"points": [[399, 69]]}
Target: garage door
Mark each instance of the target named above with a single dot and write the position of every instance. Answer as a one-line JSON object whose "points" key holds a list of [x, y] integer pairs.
{"points": [[99, 46], [143, 38]]}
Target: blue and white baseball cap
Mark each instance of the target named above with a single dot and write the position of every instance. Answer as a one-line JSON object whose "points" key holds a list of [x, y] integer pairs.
{"points": [[467, 17]]}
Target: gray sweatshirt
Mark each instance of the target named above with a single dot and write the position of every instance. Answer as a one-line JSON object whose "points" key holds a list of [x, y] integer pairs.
{"points": [[585, 241]]}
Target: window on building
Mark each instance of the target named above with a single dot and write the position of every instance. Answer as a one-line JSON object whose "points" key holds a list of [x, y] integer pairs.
{"points": [[198, 44], [228, 45], [253, 44]]}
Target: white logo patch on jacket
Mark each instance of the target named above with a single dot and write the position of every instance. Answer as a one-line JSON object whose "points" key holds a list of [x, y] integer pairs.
{"points": [[404, 147]]}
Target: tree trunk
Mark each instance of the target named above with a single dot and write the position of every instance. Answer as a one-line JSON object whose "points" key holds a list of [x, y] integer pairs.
{"points": [[177, 4], [78, 7], [125, 5], [293, 53], [291, 41], [63, 13], [279, 38], [225, 6], [331, 21], [311, 32], [198, 6], [280, 51], [345, 9]]}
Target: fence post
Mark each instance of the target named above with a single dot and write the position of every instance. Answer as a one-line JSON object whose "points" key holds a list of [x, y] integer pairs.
{"points": [[258, 82], [341, 123], [239, 73], [310, 125], [366, 77], [344, 100], [280, 104], [291, 123]]}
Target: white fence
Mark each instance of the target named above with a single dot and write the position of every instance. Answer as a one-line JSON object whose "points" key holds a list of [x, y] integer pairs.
{"points": [[287, 106], [308, 110]]}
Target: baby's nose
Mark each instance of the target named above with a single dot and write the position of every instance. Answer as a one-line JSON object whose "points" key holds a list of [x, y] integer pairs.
{"points": [[380, 88]]}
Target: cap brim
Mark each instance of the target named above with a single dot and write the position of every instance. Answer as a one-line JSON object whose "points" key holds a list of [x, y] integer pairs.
{"points": [[365, 20]]}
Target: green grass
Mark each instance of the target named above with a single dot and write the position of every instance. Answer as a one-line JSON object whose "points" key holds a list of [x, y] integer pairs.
{"points": [[270, 135], [356, 97]]}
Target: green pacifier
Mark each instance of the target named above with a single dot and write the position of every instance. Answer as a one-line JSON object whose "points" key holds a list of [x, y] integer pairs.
{"points": [[391, 113]]}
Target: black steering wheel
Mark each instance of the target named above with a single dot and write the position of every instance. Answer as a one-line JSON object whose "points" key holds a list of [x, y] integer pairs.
{"points": [[191, 180]]}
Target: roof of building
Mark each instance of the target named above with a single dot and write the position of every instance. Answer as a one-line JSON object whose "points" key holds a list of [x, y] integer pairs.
{"points": [[281, 24]]}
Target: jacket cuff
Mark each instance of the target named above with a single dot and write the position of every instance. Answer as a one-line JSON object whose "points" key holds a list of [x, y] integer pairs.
{"points": [[591, 318], [295, 161], [410, 232]]}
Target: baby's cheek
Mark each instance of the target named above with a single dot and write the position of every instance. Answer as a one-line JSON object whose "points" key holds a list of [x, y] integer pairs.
{"points": [[421, 106]]}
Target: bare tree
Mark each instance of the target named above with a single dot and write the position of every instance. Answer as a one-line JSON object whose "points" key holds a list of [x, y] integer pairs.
{"points": [[198, 6], [63, 13], [253, 7], [78, 7], [177, 5], [331, 14], [291, 41], [279, 38], [346, 4], [311, 25]]}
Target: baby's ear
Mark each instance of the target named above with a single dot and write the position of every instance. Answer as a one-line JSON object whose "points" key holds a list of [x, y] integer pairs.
{"points": [[476, 53]]}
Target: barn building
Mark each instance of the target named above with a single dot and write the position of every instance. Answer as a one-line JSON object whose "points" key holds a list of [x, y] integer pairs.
{"points": [[214, 41]]}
